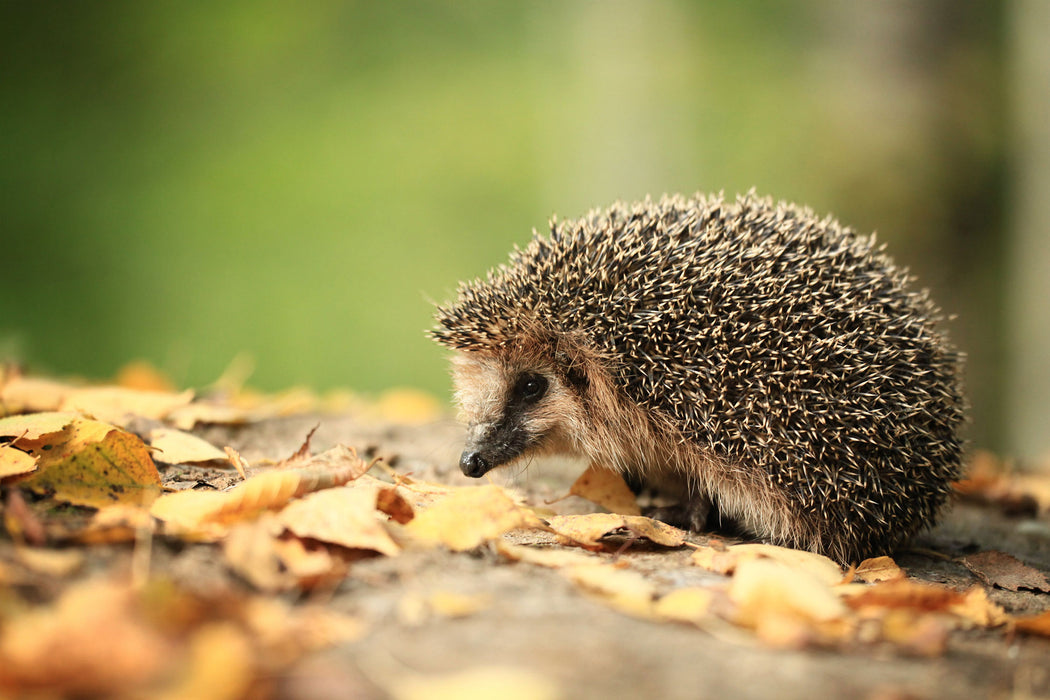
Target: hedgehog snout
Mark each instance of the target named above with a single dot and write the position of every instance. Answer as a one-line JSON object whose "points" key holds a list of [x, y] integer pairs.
{"points": [[473, 463]]}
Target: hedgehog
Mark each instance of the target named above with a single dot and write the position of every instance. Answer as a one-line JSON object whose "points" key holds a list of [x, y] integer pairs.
{"points": [[748, 360]]}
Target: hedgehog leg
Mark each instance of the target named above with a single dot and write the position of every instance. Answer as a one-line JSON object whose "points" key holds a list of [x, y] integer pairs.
{"points": [[691, 514]]}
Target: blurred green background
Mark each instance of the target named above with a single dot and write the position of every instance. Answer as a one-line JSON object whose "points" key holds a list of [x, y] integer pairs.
{"points": [[183, 182]]}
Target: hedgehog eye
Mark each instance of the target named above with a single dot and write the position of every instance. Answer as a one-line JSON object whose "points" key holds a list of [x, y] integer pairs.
{"points": [[530, 387]]}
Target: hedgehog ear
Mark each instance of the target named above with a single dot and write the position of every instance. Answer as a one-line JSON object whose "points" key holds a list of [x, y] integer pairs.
{"points": [[574, 373]]}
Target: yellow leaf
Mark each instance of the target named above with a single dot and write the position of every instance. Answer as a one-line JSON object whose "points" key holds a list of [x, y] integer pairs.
{"points": [[415, 609], [58, 563], [606, 488], [343, 516], [625, 590], [588, 530], [691, 605], [13, 461], [87, 462], [31, 395], [204, 514], [89, 643], [115, 405], [551, 557], [878, 569], [220, 665], [727, 560], [500, 682], [762, 587], [978, 609], [111, 524], [408, 406], [178, 447], [470, 516]]}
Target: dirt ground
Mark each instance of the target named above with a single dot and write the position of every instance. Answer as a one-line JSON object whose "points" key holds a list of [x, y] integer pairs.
{"points": [[539, 622]]}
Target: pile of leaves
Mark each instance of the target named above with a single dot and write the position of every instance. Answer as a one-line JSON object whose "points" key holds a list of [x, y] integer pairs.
{"points": [[83, 469]]}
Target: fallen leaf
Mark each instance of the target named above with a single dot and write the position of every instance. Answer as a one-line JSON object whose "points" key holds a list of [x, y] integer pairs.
{"points": [[728, 560], [32, 395], [389, 501], [238, 462], [878, 569], [111, 524], [21, 523], [901, 593], [415, 609], [204, 514], [142, 375], [764, 586], [977, 608], [470, 516], [692, 605], [589, 530], [408, 406], [1004, 571], [343, 516], [178, 447], [57, 563], [56, 648], [622, 589], [1035, 624], [86, 462], [14, 461], [112, 404], [220, 665], [606, 488], [505, 683], [551, 557]]}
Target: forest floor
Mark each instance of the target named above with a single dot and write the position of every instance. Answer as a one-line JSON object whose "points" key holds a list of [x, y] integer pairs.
{"points": [[264, 601]]}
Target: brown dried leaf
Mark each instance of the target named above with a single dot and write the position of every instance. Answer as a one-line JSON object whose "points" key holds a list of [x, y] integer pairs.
{"points": [[238, 462], [343, 516], [902, 593], [470, 516], [1004, 571], [589, 530], [879, 569], [1036, 624], [257, 552], [606, 488], [203, 514], [389, 501]]}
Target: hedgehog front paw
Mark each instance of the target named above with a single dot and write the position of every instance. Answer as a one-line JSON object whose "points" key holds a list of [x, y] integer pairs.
{"points": [[690, 515]]}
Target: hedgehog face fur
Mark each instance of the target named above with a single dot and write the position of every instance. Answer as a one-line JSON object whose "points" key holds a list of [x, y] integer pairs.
{"points": [[747, 355]]}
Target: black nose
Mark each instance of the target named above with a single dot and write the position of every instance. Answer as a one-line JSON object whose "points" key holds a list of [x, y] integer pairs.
{"points": [[473, 464]]}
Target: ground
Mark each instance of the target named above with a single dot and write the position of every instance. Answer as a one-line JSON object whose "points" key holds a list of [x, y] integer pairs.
{"points": [[528, 629]]}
